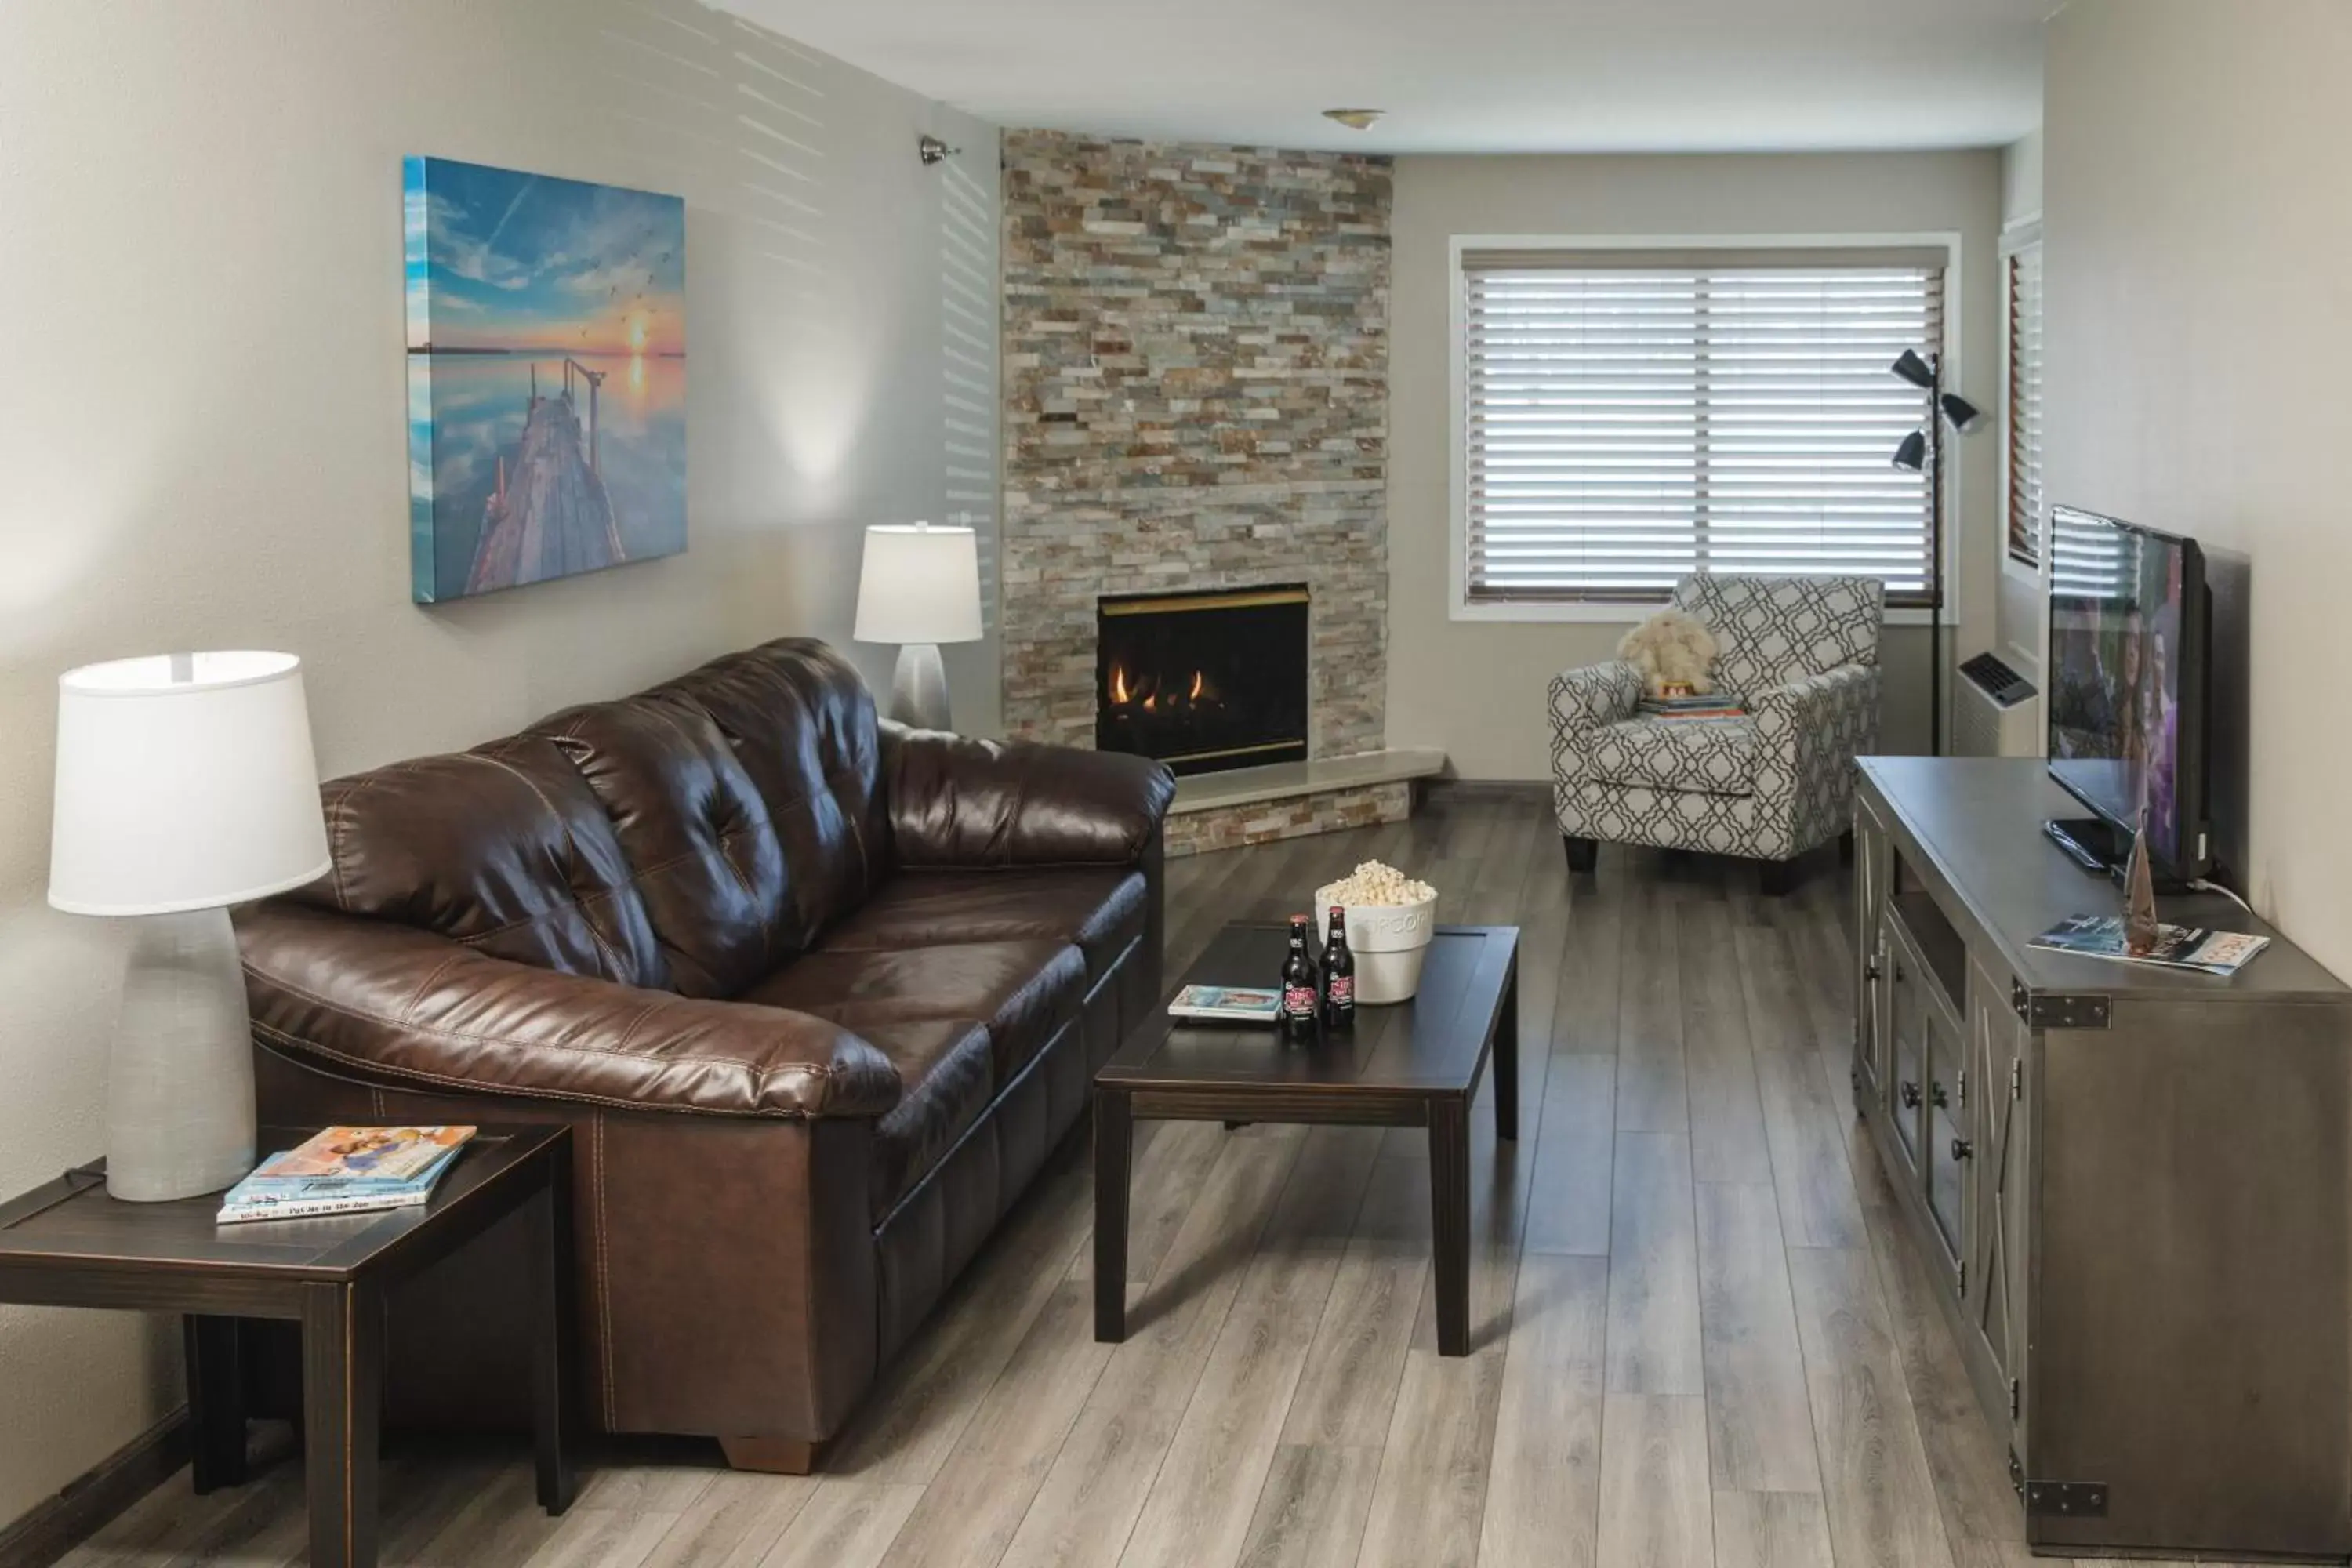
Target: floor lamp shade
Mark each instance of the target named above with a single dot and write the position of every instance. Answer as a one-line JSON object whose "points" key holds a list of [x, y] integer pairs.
{"points": [[919, 587], [185, 783]]}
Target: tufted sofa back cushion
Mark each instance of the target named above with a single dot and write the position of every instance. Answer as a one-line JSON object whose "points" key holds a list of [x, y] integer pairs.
{"points": [[1769, 631], [695, 837], [503, 849], [801, 724], [697, 833]]}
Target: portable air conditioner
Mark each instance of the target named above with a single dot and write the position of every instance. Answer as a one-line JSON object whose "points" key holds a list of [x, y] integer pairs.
{"points": [[1996, 712]]}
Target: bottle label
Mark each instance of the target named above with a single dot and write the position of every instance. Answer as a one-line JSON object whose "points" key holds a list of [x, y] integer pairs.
{"points": [[1298, 1001], [1343, 990]]}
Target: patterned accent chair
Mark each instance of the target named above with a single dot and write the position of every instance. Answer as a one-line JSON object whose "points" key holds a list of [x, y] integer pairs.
{"points": [[1803, 653]]}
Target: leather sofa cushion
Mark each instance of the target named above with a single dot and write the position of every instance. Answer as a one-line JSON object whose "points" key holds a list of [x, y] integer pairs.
{"points": [[504, 849], [1098, 910], [705, 856], [950, 1075], [1022, 990], [803, 725]]}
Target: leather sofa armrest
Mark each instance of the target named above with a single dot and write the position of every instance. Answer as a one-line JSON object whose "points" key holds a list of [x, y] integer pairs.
{"points": [[957, 801], [385, 1000]]}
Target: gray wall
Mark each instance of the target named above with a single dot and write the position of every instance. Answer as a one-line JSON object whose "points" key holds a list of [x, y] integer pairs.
{"points": [[1477, 689], [2199, 317], [202, 426]]}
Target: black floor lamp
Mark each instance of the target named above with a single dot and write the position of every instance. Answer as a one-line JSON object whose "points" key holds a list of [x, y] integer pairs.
{"points": [[1922, 452]]}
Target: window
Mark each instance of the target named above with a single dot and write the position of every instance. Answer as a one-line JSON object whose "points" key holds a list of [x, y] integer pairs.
{"points": [[1631, 417], [2024, 416]]}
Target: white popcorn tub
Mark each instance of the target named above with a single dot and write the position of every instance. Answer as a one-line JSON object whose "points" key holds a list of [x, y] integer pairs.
{"points": [[1389, 942]]}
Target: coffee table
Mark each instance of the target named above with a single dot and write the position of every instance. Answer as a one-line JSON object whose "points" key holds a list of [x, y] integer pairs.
{"points": [[1415, 1064]]}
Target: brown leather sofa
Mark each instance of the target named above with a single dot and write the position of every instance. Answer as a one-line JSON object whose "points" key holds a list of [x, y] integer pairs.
{"points": [[817, 995]]}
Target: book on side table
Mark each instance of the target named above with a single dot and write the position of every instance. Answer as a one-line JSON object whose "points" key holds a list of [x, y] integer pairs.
{"points": [[346, 1169], [1226, 1005]]}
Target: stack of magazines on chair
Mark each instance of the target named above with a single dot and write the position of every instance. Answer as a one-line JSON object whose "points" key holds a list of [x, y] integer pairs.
{"points": [[347, 1169], [1723, 705]]}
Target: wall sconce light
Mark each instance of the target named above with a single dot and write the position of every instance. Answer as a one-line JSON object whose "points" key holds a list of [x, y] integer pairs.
{"points": [[935, 150]]}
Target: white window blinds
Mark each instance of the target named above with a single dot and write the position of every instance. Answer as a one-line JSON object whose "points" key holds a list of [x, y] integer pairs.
{"points": [[2025, 511], [1629, 418]]}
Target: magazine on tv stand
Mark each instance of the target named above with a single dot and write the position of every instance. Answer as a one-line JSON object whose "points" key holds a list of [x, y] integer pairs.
{"points": [[2208, 952]]}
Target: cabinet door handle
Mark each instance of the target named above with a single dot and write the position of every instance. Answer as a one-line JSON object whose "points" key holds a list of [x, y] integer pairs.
{"points": [[1936, 1095], [1910, 1096], [1870, 969], [1962, 1149]]}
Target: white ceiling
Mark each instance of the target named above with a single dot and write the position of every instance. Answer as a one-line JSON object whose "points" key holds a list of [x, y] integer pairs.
{"points": [[1492, 76]]}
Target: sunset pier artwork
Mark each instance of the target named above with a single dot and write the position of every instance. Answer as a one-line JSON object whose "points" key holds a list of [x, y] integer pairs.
{"points": [[547, 377], [554, 517]]}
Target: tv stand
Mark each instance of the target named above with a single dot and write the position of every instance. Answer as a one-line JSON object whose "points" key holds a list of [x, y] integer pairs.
{"points": [[2131, 1186]]}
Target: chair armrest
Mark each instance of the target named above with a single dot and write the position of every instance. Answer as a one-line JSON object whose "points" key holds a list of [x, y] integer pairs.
{"points": [[402, 1004], [1584, 700], [1829, 716], [957, 801]]}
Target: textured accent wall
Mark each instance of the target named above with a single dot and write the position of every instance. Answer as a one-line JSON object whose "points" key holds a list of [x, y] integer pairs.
{"points": [[1195, 353]]}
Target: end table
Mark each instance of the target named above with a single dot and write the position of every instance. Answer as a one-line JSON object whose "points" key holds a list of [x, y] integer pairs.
{"points": [[67, 1244]]}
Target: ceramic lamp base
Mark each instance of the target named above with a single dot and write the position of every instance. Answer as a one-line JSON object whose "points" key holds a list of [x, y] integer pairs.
{"points": [[919, 688], [179, 1114]]}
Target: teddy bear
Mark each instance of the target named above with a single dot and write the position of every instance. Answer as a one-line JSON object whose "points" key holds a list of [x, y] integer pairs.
{"points": [[1674, 652]]}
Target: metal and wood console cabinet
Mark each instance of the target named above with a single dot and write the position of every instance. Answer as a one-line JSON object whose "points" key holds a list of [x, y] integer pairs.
{"points": [[2133, 1184]]}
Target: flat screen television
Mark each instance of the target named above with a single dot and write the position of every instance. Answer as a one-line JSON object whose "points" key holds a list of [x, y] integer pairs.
{"points": [[2130, 626]]}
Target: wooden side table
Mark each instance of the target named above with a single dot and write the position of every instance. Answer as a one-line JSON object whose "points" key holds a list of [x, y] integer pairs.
{"points": [[67, 1243]]}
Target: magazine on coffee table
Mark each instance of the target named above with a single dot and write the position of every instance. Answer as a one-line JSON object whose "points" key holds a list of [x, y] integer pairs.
{"points": [[1226, 1003], [2223, 952]]}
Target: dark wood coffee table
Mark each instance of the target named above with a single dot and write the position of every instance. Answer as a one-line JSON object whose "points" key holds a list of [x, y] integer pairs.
{"points": [[67, 1244], [1416, 1064]]}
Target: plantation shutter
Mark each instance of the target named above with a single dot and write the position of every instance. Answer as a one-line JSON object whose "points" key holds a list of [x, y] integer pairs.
{"points": [[1632, 417], [2025, 404]]}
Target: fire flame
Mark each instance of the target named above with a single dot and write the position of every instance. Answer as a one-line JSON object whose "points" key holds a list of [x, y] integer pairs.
{"points": [[1119, 694], [1196, 685]]}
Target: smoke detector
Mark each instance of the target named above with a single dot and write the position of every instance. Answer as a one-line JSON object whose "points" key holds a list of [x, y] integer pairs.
{"points": [[1355, 119]]}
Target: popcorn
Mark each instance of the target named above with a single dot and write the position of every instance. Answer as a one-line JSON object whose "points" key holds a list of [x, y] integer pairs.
{"points": [[1373, 883]]}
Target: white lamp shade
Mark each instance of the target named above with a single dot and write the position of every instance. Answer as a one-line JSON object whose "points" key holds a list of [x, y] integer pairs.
{"points": [[184, 782], [919, 585]]}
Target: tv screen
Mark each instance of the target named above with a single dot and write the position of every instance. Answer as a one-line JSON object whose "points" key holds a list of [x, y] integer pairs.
{"points": [[2126, 661]]}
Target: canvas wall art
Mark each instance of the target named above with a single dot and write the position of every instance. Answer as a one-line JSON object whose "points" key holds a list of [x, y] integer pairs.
{"points": [[546, 377]]}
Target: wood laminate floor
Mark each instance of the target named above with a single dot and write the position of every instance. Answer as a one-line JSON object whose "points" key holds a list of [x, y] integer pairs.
{"points": [[1699, 1336]]}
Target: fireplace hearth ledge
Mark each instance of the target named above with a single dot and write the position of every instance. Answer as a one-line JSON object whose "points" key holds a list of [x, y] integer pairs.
{"points": [[1286, 781]]}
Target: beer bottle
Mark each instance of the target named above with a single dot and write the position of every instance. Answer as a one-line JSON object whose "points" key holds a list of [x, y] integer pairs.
{"points": [[1299, 1001], [1339, 976]]}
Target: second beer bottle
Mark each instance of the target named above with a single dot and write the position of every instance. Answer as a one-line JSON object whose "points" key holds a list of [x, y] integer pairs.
{"points": [[1338, 977]]}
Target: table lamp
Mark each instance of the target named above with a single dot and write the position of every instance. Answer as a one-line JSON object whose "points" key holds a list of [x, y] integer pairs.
{"points": [[185, 784], [919, 587]]}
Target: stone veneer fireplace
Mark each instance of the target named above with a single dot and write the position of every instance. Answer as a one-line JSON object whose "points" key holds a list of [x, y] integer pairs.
{"points": [[1205, 682], [1195, 353]]}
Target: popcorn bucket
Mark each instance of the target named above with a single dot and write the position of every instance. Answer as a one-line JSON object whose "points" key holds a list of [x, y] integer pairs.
{"points": [[1389, 941]]}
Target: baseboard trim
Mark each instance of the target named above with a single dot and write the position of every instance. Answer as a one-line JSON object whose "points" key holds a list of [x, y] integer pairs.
{"points": [[58, 1524]]}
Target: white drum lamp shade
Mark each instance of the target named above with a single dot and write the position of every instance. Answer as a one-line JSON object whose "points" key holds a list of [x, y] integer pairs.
{"points": [[919, 587], [185, 782]]}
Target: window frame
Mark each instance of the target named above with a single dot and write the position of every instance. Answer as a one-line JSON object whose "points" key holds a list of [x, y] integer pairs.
{"points": [[2023, 234], [1461, 607]]}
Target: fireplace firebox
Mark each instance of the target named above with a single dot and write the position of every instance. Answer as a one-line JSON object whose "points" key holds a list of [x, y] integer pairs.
{"points": [[1204, 681]]}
